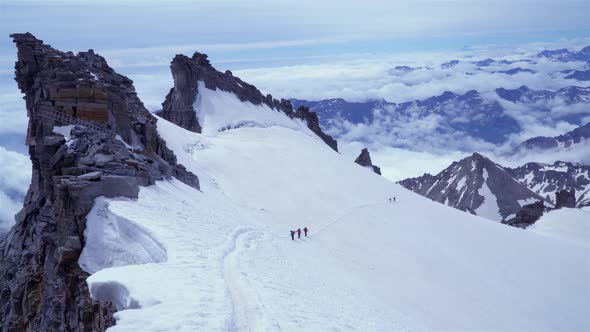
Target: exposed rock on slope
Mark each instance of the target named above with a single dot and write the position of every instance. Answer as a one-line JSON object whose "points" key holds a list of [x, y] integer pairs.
{"points": [[112, 151], [546, 180], [364, 159], [565, 199], [527, 215], [475, 184], [179, 105], [313, 123]]}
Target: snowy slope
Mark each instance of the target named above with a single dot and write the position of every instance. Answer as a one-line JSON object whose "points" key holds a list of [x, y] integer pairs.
{"points": [[368, 265], [221, 110], [565, 224]]}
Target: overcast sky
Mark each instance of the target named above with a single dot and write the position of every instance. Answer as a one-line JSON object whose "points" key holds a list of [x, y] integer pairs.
{"points": [[259, 27]]}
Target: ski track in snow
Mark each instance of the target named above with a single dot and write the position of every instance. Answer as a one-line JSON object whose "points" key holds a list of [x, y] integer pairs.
{"points": [[248, 313], [342, 216]]}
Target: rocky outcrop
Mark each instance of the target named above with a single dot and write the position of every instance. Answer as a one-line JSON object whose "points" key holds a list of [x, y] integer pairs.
{"points": [[179, 105], [527, 215], [364, 159], [313, 123], [110, 149], [565, 199]]}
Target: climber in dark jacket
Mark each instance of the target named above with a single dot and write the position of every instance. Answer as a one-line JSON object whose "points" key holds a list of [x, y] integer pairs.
{"points": [[305, 231], [298, 233], [292, 235]]}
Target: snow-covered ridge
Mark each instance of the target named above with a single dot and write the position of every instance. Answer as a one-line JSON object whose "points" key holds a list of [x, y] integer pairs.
{"points": [[231, 265], [566, 224], [219, 110], [188, 101]]}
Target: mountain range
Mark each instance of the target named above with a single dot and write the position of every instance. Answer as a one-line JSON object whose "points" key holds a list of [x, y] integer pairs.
{"points": [[565, 141], [486, 117], [477, 185], [482, 187]]}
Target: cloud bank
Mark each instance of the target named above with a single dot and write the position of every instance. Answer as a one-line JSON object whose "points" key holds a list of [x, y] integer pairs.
{"points": [[15, 171]]}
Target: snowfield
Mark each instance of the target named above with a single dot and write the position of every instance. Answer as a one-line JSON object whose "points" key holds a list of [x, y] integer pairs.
{"points": [[566, 224], [219, 259]]}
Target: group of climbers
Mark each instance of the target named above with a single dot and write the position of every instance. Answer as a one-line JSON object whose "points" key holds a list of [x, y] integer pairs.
{"points": [[305, 230]]}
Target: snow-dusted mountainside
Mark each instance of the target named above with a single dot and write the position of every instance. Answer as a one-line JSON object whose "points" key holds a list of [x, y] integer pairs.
{"points": [[489, 117], [577, 138], [475, 184], [222, 258], [546, 179], [559, 55], [565, 55]]}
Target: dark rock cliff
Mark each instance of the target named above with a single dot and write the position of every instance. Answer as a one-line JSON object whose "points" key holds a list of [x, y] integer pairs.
{"points": [[110, 149], [364, 159], [178, 107], [565, 199]]}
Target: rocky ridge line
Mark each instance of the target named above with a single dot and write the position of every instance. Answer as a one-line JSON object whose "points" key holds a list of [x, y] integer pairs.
{"points": [[41, 284], [178, 107]]}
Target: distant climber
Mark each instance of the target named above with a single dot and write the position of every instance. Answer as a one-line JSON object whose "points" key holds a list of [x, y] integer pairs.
{"points": [[389, 199], [394, 199], [292, 235], [298, 233], [305, 231]]}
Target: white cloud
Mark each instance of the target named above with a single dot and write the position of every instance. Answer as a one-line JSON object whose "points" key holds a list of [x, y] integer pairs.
{"points": [[398, 164], [8, 208], [368, 77], [15, 177], [13, 113], [576, 153]]}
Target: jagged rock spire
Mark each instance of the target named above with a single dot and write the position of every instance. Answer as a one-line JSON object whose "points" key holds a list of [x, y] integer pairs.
{"points": [[179, 105], [364, 159], [42, 286]]}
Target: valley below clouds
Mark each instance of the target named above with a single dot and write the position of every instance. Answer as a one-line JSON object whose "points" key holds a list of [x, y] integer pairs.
{"points": [[432, 130]]}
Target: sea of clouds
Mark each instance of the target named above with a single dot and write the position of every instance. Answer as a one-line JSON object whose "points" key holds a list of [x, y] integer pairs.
{"points": [[353, 77]]}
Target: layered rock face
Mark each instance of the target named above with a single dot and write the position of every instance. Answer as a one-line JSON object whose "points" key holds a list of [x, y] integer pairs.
{"points": [[179, 105], [110, 148], [364, 159]]}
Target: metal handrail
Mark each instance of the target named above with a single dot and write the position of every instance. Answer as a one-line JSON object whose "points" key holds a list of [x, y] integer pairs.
{"points": [[70, 120]]}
